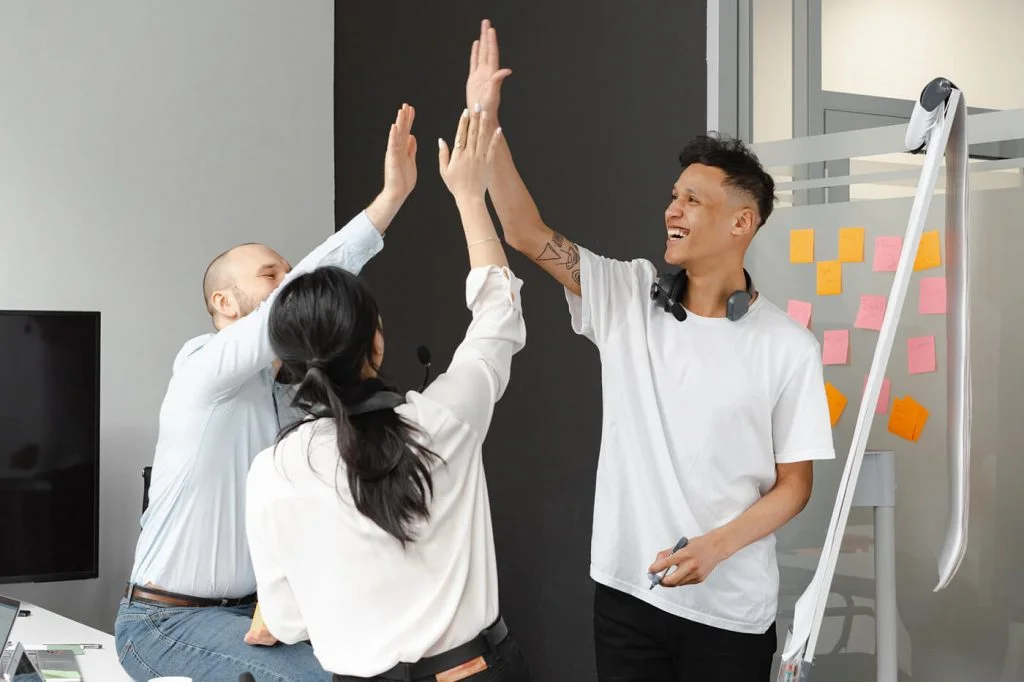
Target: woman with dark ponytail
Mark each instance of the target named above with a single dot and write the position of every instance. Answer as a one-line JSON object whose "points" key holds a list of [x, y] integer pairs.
{"points": [[368, 522]]}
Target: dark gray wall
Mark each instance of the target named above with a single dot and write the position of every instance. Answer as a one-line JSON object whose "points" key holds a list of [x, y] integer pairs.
{"points": [[602, 96]]}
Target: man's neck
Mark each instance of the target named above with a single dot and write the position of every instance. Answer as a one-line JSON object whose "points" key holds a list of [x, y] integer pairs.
{"points": [[708, 289]]}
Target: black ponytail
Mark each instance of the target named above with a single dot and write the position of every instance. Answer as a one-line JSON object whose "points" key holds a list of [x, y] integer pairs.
{"points": [[322, 328]]}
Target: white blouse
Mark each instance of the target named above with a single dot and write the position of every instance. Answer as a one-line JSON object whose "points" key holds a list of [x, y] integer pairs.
{"points": [[326, 573]]}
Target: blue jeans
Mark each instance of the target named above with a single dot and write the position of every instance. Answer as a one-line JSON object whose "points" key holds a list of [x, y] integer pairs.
{"points": [[205, 644]]}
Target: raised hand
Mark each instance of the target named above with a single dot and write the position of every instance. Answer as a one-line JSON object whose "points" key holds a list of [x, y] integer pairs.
{"points": [[400, 158], [483, 84], [466, 170]]}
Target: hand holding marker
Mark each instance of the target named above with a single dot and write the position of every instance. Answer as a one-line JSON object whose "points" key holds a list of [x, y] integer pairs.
{"points": [[656, 578]]}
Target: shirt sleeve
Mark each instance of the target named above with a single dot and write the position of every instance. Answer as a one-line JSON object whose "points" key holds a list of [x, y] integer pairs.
{"points": [[277, 601], [479, 372], [238, 352], [801, 427], [610, 290]]}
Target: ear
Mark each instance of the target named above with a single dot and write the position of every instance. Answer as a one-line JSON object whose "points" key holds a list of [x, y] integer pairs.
{"points": [[744, 222], [224, 304]]}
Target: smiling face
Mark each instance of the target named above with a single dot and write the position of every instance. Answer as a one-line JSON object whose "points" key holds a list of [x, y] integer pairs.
{"points": [[239, 280], [707, 220]]}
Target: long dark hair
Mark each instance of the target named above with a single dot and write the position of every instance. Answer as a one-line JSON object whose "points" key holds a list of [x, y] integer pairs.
{"points": [[322, 329]]}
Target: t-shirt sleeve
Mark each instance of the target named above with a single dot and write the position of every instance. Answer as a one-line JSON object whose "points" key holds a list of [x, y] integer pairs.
{"points": [[611, 291], [801, 427]]}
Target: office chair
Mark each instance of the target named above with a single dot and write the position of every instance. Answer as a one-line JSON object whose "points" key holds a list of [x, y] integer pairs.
{"points": [[147, 472]]}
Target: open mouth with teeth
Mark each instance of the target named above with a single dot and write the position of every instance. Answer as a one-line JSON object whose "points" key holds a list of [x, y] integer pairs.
{"points": [[677, 233]]}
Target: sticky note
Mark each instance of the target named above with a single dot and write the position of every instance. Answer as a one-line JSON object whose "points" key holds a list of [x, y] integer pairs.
{"points": [[921, 354], [836, 402], [870, 313], [799, 311], [801, 246], [907, 418], [887, 253], [830, 278], [851, 244], [836, 349], [882, 406], [928, 253], [932, 299]]}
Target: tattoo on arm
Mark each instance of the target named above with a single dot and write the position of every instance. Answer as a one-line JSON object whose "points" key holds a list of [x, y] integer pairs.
{"points": [[561, 251]]}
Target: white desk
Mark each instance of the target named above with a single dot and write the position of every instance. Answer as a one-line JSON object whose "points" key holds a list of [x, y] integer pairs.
{"points": [[46, 627]]}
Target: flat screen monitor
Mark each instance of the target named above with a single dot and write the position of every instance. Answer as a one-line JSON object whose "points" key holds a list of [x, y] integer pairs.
{"points": [[49, 445]]}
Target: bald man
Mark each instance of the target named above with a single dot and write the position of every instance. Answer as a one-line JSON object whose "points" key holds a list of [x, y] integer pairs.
{"points": [[191, 596]]}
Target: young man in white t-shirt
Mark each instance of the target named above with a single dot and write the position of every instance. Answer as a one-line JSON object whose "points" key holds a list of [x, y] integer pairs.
{"points": [[714, 410]]}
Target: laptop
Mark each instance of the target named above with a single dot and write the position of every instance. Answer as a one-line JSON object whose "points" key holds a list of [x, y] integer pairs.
{"points": [[51, 664]]}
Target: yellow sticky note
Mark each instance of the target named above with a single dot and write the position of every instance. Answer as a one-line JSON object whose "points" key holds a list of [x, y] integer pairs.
{"points": [[907, 418], [836, 402], [801, 246], [928, 253], [830, 278], [851, 244]]}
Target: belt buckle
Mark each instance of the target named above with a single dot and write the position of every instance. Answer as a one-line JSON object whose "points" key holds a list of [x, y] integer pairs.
{"points": [[463, 670], [224, 602]]}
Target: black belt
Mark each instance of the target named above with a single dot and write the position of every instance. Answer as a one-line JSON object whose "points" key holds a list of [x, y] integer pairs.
{"points": [[486, 642], [151, 595]]}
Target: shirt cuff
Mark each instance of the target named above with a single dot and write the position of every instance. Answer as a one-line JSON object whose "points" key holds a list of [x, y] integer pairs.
{"points": [[487, 284]]}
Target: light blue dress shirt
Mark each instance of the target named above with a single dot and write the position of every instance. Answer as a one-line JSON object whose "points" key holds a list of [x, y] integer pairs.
{"points": [[220, 411]]}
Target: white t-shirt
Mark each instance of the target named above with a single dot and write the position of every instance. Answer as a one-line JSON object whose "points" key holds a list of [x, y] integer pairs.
{"points": [[327, 573], [696, 414]]}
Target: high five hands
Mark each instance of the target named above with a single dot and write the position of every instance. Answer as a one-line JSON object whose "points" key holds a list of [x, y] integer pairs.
{"points": [[466, 170], [483, 84]]}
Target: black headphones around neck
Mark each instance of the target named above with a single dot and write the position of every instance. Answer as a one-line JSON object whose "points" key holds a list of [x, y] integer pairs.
{"points": [[669, 289]]}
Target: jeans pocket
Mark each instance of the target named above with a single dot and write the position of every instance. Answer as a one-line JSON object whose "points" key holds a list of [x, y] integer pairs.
{"points": [[133, 664]]}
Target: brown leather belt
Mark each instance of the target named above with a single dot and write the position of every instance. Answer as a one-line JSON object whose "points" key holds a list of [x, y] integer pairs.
{"points": [[152, 595]]}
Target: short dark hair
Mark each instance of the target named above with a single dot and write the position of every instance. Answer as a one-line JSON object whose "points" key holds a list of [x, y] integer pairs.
{"points": [[741, 166]]}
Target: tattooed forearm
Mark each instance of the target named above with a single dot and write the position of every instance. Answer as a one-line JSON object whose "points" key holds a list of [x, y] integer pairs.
{"points": [[563, 252]]}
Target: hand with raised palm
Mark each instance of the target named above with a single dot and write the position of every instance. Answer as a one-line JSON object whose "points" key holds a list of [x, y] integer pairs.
{"points": [[400, 157], [483, 84]]}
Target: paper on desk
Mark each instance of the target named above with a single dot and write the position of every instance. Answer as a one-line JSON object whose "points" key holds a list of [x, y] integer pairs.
{"points": [[799, 311], [836, 349], [932, 300], [851, 244], [887, 253], [801, 246]]}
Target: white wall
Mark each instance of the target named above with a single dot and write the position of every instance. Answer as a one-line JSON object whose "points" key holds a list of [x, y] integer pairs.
{"points": [[891, 49], [137, 141]]}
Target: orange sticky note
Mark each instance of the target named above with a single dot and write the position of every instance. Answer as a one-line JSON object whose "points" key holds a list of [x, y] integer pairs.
{"points": [[932, 300], [836, 402], [882, 406], [907, 418], [921, 354], [830, 278], [851, 244], [801, 246], [836, 349], [799, 311], [870, 313], [887, 253], [928, 252]]}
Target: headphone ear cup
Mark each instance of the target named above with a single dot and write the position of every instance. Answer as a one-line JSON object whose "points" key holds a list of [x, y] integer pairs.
{"points": [[737, 305]]}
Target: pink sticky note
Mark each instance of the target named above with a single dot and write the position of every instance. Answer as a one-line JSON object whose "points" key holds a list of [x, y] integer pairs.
{"points": [[883, 395], [800, 311], [933, 296], [836, 349], [871, 312], [887, 253], [921, 354]]}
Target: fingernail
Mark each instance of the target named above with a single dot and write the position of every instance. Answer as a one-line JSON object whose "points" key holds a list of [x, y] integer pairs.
{"points": [[440, 143], [465, 113], [498, 132], [476, 107]]}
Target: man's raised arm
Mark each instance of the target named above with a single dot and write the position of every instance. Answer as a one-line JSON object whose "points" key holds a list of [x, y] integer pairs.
{"points": [[524, 229]]}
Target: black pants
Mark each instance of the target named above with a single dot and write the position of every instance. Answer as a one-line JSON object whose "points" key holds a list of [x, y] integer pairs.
{"points": [[636, 641], [505, 665]]}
